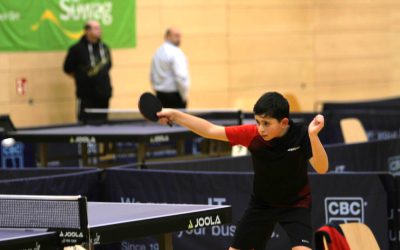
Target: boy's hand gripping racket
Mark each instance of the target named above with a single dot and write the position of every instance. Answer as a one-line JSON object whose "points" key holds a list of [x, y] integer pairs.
{"points": [[149, 106]]}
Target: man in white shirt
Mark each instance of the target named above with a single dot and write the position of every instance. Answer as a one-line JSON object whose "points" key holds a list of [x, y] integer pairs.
{"points": [[169, 72]]}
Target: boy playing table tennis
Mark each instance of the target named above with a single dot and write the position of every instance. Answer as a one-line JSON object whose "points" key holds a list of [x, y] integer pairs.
{"points": [[280, 151]]}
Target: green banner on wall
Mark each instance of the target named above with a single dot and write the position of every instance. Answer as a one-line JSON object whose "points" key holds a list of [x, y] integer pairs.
{"points": [[43, 25]]}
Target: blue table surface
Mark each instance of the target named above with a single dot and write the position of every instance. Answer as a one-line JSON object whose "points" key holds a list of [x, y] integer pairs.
{"points": [[102, 214]]}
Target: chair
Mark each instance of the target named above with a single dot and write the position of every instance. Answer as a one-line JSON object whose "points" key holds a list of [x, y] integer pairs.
{"points": [[353, 236], [293, 102], [13, 155], [359, 236], [353, 131]]}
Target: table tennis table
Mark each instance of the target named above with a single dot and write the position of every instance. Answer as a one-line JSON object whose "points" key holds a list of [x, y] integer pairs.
{"points": [[116, 222], [141, 132]]}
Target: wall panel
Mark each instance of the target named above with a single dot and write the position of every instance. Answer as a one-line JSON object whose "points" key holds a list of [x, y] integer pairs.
{"points": [[310, 50]]}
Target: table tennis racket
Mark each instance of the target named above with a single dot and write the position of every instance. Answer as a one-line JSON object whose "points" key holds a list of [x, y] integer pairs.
{"points": [[149, 106]]}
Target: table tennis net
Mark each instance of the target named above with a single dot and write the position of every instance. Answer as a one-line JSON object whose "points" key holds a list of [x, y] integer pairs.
{"points": [[28, 212]]}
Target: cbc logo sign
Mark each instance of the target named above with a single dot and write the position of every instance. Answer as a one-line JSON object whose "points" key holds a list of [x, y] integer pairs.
{"points": [[394, 164], [344, 209]]}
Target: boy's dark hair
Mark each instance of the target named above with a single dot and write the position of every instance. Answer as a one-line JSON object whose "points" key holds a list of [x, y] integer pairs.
{"points": [[273, 105]]}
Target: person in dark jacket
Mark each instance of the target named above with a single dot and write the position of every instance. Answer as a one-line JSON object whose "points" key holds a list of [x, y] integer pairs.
{"points": [[89, 62]]}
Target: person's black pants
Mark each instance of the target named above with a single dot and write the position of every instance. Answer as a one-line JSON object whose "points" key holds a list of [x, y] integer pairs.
{"points": [[91, 103], [171, 100]]}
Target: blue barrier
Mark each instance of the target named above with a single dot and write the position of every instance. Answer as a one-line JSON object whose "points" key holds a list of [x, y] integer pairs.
{"points": [[53, 182]]}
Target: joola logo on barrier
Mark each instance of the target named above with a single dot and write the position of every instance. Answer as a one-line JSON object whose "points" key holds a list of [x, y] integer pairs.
{"points": [[70, 234], [215, 230], [159, 138], [344, 209], [82, 139], [204, 221], [71, 237], [37, 247]]}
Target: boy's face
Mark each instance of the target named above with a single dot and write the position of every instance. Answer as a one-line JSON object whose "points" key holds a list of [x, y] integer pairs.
{"points": [[270, 128]]}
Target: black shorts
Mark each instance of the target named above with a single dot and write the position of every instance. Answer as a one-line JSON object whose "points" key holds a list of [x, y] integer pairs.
{"points": [[257, 224]]}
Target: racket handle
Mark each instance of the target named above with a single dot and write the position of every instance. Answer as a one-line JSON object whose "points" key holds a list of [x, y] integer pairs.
{"points": [[170, 123]]}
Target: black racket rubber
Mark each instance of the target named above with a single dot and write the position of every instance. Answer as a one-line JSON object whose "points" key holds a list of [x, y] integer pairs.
{"points": [[149, 106]]}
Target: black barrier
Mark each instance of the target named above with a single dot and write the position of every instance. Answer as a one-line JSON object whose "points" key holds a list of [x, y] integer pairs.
{"points": [[234, 115], [13, 174], [377, 124], [187, 187], [54, 182], [382, 155], [336, 197], [385, 104], [380, 118], [230, 164], [382, 124], [360, 197], [395, 233], [64, 154], [302, 117], [389, 183], [356, 197], [330, 134]]}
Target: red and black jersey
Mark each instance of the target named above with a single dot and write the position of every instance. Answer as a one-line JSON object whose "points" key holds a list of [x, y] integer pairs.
{"points": [[280, 165]]}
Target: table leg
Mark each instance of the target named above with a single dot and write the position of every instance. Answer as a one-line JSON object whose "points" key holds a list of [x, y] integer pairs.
{"points": [[141, 153], [43, 154], [165, 241], [220, 146], [84, 154], [180, 147], [102, 149], [213, 147]]}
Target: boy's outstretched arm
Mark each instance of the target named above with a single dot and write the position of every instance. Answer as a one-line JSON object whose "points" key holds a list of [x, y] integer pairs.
{"points": [[198, 125], [319, 161]]}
